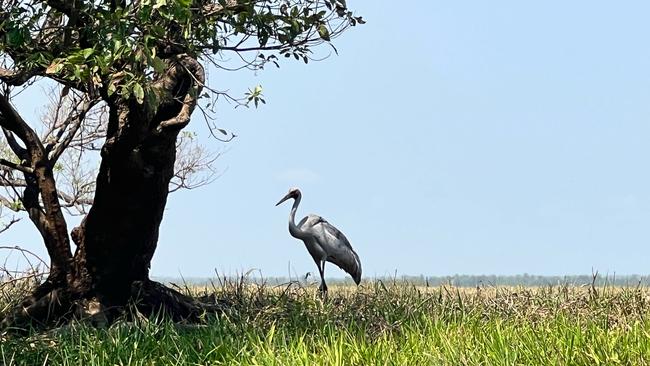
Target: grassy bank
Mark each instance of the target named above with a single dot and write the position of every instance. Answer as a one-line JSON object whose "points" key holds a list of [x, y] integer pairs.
{"points": [[393, 324]]}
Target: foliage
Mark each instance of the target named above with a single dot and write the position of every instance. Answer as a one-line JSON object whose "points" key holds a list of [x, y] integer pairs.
{"points": [[95, 45], [378, 324]]}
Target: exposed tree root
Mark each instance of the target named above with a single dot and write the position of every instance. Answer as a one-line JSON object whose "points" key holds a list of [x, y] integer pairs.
{"points": [[38, 312], [153, 298], [51, 307]]}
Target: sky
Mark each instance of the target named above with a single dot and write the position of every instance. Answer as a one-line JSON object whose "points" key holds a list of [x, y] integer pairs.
{"points": [[446, 137]]}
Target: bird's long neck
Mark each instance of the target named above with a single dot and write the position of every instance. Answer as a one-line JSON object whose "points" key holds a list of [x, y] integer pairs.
{"points": [[294, 230]]}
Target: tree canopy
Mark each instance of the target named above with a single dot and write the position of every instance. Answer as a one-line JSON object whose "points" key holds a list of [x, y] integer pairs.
{"points": [[123, 48]]}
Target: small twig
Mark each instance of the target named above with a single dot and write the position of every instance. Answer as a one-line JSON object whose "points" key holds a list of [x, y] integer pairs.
{"points": [[7, 226], [22, 250], [22, 278]]}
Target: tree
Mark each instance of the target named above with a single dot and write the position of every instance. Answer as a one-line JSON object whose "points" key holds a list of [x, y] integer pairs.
{"points": [[143, 63]]}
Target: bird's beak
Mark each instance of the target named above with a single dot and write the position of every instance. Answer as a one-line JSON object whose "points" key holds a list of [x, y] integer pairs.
{"points": [[284, 199]]}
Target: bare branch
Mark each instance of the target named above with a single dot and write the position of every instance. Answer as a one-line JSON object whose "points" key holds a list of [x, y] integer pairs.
{"points": [[194, 166], [76, 182], [24, 251], [8, 225], [72, 201], [9, 164], [75, 118], [47, 218], [14, 145], [12, 182], [12, 121]]}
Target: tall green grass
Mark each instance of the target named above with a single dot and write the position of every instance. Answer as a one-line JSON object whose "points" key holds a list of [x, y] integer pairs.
{"points": [[378, 324]]}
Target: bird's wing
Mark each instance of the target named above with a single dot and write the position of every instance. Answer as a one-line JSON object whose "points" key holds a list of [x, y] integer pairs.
{"points": [[338, 248]]}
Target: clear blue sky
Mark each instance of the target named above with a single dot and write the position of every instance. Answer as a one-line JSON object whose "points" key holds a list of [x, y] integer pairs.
{"points": [[447, 137]]}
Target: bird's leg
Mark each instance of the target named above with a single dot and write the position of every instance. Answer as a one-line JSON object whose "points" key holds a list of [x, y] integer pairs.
{"points": [[323, 285], [322, 277]]}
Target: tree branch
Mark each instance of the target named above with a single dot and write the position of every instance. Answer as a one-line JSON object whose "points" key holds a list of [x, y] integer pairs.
{"points": [[66, 7], [76, 121], [209, 10], [6, 226], [16, 77], [9, 204], [20, 152], [9, 164], [12, 182], [194, 164], [13, 122], [48, 219], [196, 73]]}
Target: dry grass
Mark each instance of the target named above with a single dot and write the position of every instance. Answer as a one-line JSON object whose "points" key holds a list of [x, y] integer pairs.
{"points": [[377, 323]]}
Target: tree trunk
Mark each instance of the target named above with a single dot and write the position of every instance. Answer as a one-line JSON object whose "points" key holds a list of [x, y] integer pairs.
{"points": [[117, 239]]}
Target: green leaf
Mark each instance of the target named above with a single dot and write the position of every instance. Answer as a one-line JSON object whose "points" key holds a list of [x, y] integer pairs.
{"points": [[323, 32], [125, 92], [77, 72], [87, 52], [116, 45], [15, 37], [138, 93], [111, 89], [184, 3], [77, 57], [16, 205], [158, 64]]}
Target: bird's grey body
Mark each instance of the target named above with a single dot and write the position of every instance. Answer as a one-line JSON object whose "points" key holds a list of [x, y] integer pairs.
{"points": [[324, 242]]}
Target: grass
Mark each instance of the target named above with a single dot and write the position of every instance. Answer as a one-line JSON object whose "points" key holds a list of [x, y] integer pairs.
{"points": [[379, 324]]}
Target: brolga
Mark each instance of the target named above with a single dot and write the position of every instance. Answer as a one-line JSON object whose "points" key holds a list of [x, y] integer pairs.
{"points": [[324, 242]]}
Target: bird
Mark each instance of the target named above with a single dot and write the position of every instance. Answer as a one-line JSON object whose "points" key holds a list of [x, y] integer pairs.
{"points": [[324, 242]]}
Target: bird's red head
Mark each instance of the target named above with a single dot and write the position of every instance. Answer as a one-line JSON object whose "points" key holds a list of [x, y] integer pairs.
{"points": [[293, 193]]}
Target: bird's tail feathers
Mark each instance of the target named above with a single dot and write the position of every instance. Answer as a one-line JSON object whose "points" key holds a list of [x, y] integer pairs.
{"points": [[357, 277], [357, 274]]}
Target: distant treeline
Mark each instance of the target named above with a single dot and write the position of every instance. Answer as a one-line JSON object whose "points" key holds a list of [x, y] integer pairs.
{"points": [[421, 280], [528, 280]]}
